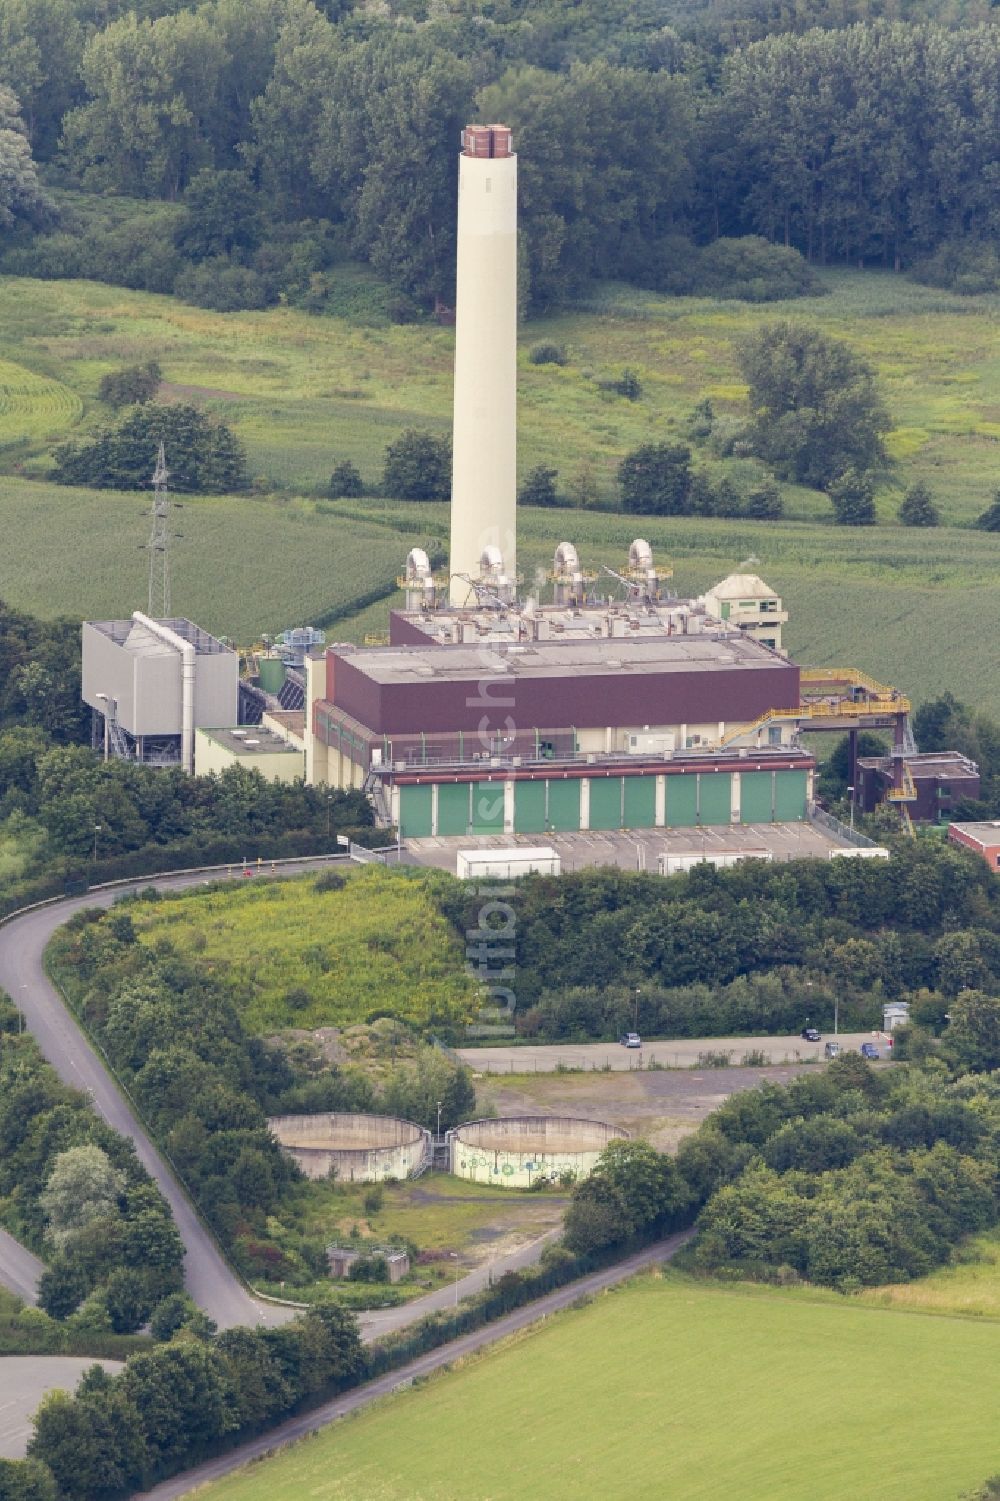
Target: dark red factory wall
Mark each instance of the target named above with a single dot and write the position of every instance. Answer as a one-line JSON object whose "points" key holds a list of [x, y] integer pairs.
{"points": [[586, 702], [403, 632]]}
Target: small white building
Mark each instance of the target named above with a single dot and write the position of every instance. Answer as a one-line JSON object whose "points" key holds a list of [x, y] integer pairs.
{"points": [[744, 600], [895, 1014]]}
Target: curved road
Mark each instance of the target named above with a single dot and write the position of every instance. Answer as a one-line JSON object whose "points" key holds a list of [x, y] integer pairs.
{"points": [[22, 974], [339, 1407], [19, 1269]]}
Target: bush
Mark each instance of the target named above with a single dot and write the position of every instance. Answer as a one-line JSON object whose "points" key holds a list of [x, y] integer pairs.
{"points": [[966, 266], [655, 479], [753, 270], [539, 487], [202, 456], [547, 354], [130, 386], [225, 286], [418, 466], [989, 520], [853, 498], [917, 508], [345, 482]]}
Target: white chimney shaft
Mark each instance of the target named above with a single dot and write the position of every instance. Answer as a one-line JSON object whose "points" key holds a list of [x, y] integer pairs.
{"points": [[484, 473]]}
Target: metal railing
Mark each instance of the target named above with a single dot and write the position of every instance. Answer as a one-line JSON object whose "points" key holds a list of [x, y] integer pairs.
{"points": [[833, 825]]}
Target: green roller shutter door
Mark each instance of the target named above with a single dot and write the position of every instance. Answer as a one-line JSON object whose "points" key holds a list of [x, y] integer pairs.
{"points": [[714, 797], [640, 802], [487, 808], [529, 807], [682, 802], [605, 802], [756, 788], [453, 808], [415, 812], [790, 795], [564, 806]]}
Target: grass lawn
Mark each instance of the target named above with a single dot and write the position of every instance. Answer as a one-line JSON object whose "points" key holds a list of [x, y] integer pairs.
{"points": [[674, 1388], [377, 945]]}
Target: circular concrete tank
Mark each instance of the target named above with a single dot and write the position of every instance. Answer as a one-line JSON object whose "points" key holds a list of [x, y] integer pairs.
{"points": [[360, 1148], [516, 1152]]}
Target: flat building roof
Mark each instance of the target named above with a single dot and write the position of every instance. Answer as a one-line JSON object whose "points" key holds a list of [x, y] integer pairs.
{"points": [[558, 660], [251, 740], [986, 834]]}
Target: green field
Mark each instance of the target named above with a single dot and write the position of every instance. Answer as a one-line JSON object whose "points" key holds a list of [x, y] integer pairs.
{"points": [[298, 957], [679, 1389], [303, 391], [911, 607]]}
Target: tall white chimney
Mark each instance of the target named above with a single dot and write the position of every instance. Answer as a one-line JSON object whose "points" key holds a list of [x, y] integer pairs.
{"points": [[484, 472]]}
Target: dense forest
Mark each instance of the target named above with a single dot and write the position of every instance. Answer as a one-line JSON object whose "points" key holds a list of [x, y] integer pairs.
{"points": [[247, 144]]}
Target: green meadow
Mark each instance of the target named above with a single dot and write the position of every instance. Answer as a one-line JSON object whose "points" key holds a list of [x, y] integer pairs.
{"points": [[675, 1388], [911, 607]]}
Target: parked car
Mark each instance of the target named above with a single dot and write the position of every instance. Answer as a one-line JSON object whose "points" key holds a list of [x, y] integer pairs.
{"points": [[869, 1050], [810, 1034], [832, 1050], [630, 1040]]}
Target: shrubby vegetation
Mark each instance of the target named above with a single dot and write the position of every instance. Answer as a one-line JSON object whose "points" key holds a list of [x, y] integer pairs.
{"points": [[74, 1191], [202, 455], [946, 724], [174, 1027]]}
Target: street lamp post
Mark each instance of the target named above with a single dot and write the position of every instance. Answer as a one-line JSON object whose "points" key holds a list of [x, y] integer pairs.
{"points": [[635, 1016], [329, 805], [439, 1103], [850, 794], [97, 830]]}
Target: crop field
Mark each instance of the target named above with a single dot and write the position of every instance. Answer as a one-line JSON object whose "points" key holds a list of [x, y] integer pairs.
{"points": [[298, 957], [680, 1389], [33, 407], [240, 567]]}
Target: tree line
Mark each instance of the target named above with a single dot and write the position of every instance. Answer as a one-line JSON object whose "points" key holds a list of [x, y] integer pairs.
{"points": [[287, 134], [74, 1191], [755, 949]]}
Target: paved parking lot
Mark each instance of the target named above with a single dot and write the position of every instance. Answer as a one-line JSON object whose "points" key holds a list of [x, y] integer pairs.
{"points": [[677, 1052], [637, 850]]}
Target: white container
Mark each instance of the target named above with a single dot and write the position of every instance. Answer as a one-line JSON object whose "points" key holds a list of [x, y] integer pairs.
{"points": [[507, 864]]}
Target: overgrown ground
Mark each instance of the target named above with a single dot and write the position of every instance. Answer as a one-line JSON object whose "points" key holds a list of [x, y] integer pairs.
{"points": [[295, 956], [676, 1388], [970, 1285]]}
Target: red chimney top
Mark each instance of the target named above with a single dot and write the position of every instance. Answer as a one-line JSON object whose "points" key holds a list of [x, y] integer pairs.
{"points": [[487, 141]]}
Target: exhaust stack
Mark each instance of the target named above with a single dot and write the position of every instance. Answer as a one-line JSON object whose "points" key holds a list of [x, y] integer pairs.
{"points": [[484, 444]]}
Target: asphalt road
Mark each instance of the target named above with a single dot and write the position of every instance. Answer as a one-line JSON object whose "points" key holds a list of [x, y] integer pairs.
{"points": [[681, 1052], [340, 1407], [19, 1270], [24, 1380], [207, 1278]]}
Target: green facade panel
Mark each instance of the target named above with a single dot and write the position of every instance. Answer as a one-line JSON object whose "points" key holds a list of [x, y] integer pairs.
{"points": [[415, 812], [529, 807], [605, 802], [640, 802], [715, 791], [487, 808], [756, 794], [682, 802], [453, 808], [790, 788], [564, 806]]}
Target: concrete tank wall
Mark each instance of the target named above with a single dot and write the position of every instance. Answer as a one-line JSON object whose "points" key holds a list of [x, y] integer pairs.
{"points": [[361, 1148], [516, 1152]]}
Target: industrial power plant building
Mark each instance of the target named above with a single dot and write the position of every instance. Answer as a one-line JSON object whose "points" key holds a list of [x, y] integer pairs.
{"points": [[598, 701]]}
